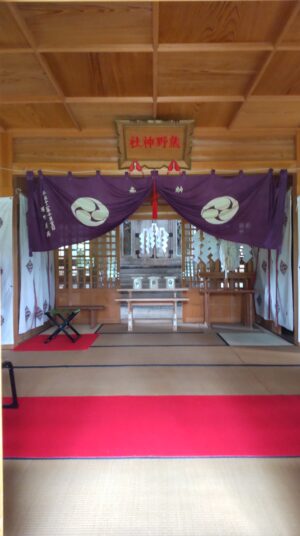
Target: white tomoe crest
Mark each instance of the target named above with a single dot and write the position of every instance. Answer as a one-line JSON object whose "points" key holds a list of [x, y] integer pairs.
{"points": [[220, 210], [89, 211]]}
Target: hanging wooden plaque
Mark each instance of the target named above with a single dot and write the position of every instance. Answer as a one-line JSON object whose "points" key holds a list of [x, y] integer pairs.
{"points": [[155, 144]]}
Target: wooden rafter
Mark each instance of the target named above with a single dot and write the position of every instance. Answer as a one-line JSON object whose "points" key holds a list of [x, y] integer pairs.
{"points": [[294, 12], [214, 47], [127, 100], [135, 48], [199, 133], [98, 74], [225, 167], [161, 48], [109, 100], [155, 35], [41, 59], [38, 99], [168, 99], [194, 99]]}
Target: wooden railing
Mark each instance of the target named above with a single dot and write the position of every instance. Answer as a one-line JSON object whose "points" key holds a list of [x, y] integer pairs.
{"points": [[235, 280]]}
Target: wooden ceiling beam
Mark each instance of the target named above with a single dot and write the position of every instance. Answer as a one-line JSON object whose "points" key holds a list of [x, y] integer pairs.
{"points": [[40, 99], [168, 99], [109, 100], [214, 47], [238, 133], [41, 59], [288, 48], [16, 50], [155, 38], [274, 98], [102, 133], [111, 166], [174, 99], [161, 48], [108, 47], [108, 133], [294, 12]]}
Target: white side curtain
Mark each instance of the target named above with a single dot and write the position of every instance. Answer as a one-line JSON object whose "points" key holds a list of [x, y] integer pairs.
{"points": [[283, 289], [274, 278], [37, 279], [6, 270], [263, 283]]}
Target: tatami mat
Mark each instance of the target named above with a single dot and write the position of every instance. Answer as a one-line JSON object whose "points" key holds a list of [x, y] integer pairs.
{"points": [[161, 380], [279, 380], [275, 355], [151, 327], [159, 339], [124, 355], [167, 497], [253, 339], [236, 327]]}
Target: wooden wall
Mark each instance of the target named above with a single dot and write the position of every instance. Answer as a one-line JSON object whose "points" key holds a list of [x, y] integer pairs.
{"points": [[98, 296], [218, 149]]}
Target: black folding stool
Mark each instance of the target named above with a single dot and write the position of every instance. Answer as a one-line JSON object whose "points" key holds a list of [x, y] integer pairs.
{"points": [[14, 404], [61, 326]]}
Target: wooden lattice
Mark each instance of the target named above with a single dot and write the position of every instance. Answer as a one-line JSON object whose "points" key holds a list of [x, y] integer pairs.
{"points": [[91, 264]]}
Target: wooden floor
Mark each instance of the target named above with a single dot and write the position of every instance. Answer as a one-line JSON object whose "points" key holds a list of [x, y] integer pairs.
{"points": [[157, 497]]}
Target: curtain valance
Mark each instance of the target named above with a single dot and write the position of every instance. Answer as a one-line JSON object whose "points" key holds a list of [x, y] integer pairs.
{"points": [[68, 210]]}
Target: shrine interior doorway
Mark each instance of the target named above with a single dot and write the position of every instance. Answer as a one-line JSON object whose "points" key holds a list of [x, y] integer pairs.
{"points": [[150, 248]]}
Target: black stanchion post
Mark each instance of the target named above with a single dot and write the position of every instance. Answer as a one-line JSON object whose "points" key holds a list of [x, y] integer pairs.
{"points": [[14, 404]]}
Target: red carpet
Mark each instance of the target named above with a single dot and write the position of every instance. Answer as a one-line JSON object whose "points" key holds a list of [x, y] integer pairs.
{"points": [[60, 343], [120, 426]]}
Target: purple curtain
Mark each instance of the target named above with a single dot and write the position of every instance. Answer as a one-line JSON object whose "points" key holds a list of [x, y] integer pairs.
{"points": [[68, 210], [248, 209]]}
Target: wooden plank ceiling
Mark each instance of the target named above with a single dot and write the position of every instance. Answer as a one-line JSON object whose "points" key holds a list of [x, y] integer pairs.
{"points": [[72, 65]]}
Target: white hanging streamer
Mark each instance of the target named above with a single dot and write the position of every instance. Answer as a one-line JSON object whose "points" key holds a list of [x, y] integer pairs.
{"points": [[211, 248], [229, 256], [154, 236]]}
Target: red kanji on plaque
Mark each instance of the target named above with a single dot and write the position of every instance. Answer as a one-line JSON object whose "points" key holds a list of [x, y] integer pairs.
{"points": [[174, 142], [148, 142], [154, 143], [161, 141], [135, 142]]}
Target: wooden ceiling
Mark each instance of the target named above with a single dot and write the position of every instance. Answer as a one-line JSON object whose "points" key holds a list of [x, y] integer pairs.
{"points": [[81, 65]]}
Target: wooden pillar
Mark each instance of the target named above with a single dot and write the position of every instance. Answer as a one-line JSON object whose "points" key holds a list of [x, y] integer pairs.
{"points": [[296, 282], [6, 189], [16, 268], [6, 178]]}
